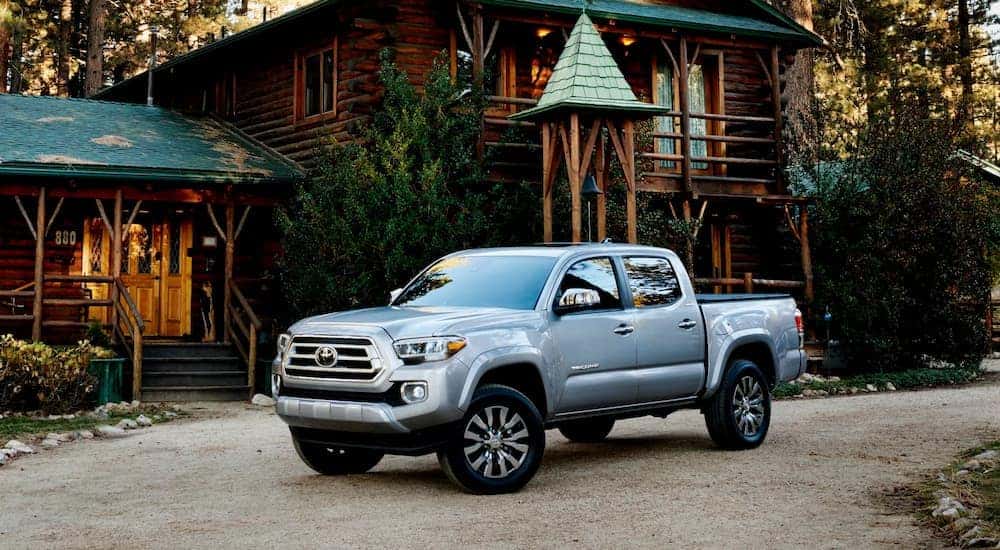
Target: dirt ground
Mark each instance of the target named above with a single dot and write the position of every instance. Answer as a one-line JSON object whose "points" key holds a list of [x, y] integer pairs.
{"points": [[231, 478]]}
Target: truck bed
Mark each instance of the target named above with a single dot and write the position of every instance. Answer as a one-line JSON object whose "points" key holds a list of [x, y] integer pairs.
{"points": [[722, 298]]}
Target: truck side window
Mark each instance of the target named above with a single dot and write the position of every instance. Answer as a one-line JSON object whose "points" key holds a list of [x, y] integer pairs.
{"points": [[595, 274], [653, 281]]}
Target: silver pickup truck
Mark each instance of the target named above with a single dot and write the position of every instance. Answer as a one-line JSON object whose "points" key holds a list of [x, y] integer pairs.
{"points": [[486, 349]]}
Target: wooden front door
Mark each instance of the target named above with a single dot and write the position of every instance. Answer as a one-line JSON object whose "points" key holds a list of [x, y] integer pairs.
{"points": [[157, 271]]}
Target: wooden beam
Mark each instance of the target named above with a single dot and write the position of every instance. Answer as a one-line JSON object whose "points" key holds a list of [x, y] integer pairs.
{"points": [[36, 306], [243, 220], [489, 42], [601, 169], [115, 229], [682, 95], [227, 289], [779, 153], [670, 55], [632, 220], [52, 218], [576, 179], [547, 178], [104, 216], [134, 213], [807, 268], [588, 149], [27, 218], [215, 222], [462, 25]]}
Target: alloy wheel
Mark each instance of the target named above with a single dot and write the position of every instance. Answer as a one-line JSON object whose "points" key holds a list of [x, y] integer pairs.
{"points": [[496, 441], [748, 406]]}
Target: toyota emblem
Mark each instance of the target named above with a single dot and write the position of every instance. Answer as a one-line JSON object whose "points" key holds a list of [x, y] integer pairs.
{"points": [[326, 356]]}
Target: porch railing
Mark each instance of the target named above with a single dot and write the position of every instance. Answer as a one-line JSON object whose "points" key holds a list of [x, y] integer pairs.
{"points": [[243, 330], [748, 282], [10, 301], [128, 328]]}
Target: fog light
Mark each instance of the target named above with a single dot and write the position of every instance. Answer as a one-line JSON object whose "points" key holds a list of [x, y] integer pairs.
{"points": [[413, 392], [275, 385]]}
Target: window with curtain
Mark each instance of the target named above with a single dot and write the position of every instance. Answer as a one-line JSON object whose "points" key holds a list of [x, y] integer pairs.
{"points": [[316, 75], [702, 89]]}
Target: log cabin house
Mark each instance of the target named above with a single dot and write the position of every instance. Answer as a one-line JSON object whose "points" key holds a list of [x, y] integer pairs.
{"points": [[705, 75]]}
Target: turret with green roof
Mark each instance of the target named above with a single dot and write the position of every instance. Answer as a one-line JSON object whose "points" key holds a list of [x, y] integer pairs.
{"points": [[587, 78]]}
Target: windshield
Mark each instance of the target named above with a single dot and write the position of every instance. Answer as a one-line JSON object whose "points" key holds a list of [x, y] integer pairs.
{"points": [[512, 282]]}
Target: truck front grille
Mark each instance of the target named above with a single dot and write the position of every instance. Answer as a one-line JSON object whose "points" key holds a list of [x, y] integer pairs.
{"points": [[355, 359]]}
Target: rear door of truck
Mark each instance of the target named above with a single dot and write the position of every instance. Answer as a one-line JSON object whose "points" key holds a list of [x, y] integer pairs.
{"points": [[670, 360]]}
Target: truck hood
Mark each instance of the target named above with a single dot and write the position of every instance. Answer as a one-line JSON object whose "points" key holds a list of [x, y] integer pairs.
{"points": [[401, 322]]}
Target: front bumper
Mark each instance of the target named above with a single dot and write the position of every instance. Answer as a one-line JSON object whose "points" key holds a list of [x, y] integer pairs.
{"points": [[375, 409]]}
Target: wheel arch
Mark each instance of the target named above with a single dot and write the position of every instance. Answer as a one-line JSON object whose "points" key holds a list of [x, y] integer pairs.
{"points": [[519, 368], [755, 346]]}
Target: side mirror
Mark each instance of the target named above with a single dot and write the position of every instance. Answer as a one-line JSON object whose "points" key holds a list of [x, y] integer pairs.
{"points": [[394, 294], [576, 299]]}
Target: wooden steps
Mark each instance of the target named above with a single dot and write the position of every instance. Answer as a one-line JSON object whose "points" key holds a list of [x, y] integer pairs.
{"points": [[179, 371]]}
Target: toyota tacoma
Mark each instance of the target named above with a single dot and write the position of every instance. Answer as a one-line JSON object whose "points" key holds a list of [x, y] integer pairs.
{"points": [[485, 350]]}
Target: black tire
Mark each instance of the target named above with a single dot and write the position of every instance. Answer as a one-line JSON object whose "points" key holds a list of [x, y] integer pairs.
{"points": [[336, 461], [511, 456], [744, 391], [590, 430]]}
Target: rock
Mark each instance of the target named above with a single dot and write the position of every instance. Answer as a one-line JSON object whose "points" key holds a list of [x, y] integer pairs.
{"points": [[50, 443], [262, 400], [157, 418], [973, 465], [980, 542], [951, 513], [852, 390], [170, 414], [962, 525], [870, 388], [972, 533], [65, 437], [961, 473], [143, 421], [833, 379], [21, 448], [986, 455], [85, 434], [110, 431], [127, 424], [889, 386], [805, 378], [3, 459], [135, 404], [822, 393], [175, 408]]}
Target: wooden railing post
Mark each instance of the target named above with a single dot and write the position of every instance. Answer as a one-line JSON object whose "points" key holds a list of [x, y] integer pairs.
{"points": [[748, 282], [807, 267], [779, 152], [230, 251], [116, 254], [252, 357], [682, 96], [36, 309], [136, 362]]}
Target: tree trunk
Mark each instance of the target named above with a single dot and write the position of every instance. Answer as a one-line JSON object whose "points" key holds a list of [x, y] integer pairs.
{"points": [[95, 48], [966, 113], [63, 49], [4, 56], [800, 81]]}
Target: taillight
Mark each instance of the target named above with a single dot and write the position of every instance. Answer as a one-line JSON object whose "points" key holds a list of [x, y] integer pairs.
{"points": [[800, 326]]}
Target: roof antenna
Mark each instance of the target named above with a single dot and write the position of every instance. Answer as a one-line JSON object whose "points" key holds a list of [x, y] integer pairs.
{"points": [[154, 32]]}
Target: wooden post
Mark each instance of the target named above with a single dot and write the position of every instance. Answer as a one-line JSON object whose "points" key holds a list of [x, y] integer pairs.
{"points": [[628, 163], [779, 153], [682, 96], [601, 169], [807, 269], [748, 282], [36, 309], [252, 358], [688, 240], [575, 179], [478, 68], [230, 250], [116, 256], [547, 176]]}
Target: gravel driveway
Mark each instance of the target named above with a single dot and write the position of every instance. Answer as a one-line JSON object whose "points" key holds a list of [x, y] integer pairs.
{"points": [[232, 479]]}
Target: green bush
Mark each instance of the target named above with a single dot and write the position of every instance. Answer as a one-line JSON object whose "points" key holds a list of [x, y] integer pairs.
{"points": [[902, 233], [39, 376], [376, 212]]}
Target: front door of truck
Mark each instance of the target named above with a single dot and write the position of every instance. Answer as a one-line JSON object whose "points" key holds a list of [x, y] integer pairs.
{"points": [[596, 344], [669, 332]]}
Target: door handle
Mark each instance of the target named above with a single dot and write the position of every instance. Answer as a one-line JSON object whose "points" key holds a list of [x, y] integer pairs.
{"points": [[624, 330], [687, 324]]}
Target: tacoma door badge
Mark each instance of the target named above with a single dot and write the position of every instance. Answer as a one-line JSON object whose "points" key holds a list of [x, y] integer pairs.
{"points": [[588, 366]]}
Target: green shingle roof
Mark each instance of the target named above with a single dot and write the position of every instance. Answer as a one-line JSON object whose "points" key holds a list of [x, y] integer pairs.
{"points": [[78, 138], [771, 23], [586, 77]]}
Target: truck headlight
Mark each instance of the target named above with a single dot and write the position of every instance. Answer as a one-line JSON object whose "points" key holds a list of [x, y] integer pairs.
{"points": [[418, 350], [283, 341]]}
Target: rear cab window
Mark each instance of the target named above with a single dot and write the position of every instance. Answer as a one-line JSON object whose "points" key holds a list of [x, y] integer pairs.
{"points": [[652, 281]]}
